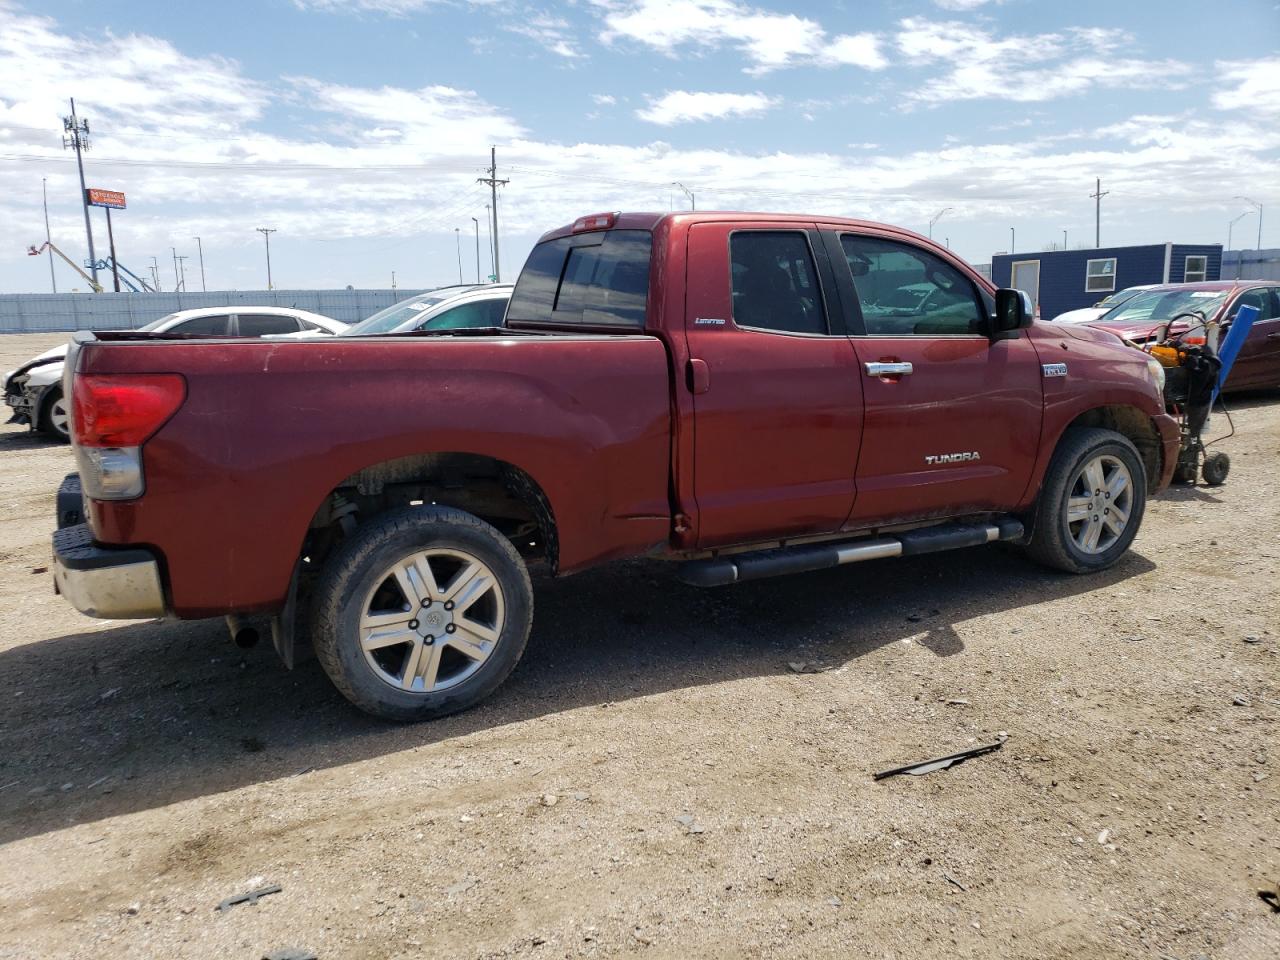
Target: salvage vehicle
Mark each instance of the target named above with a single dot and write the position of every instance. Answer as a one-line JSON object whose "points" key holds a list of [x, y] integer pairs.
{"points": [[716, 389], [1109, 302], [1180, 306], [448, 308], [34, 390]]}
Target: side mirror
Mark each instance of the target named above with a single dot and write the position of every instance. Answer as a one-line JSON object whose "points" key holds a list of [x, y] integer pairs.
{"points": [[1014, 311]]}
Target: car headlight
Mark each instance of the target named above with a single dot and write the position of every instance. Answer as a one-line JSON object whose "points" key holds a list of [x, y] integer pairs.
{"points": [[1157, 372]]}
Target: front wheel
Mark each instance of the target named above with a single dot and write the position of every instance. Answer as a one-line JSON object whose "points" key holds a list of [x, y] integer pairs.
{"points": [[1091, 503], [55, 419], [1215, 469], [423, 612]]}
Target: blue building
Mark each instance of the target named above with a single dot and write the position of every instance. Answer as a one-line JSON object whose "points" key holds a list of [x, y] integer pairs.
{"points": [[1062, 280]]}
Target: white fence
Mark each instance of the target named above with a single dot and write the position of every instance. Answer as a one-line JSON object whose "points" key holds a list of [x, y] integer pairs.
{"points": [[1251, 264], [53, 312]]}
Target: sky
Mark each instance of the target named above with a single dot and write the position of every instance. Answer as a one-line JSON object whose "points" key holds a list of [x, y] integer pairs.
{"points": [[358, 129]]}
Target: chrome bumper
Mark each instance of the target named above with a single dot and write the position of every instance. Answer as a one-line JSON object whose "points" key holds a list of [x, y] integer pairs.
{"points": [[106, 583]]}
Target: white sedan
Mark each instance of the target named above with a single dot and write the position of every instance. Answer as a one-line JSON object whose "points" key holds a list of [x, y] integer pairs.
{"points": [[34, 390]]}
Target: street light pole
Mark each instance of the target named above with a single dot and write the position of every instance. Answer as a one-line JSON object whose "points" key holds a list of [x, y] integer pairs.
{"points": [[266, 235], [1013, 240], [200, 250], [693, 205], [48, 239], [457, 242], [1255, 203], [477, 223], [936, 217]]}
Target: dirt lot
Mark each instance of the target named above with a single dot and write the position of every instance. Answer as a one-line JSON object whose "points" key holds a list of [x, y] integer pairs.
{"points": [[149, 770]]}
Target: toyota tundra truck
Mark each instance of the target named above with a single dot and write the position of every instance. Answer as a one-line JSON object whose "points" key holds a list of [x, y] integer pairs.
{"points": [[744, 394]]}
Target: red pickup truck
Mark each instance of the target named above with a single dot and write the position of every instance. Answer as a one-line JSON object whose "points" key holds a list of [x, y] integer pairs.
{"points": [[748, 394]]}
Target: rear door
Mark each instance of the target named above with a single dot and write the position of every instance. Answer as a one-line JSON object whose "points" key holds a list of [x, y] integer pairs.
{"points": [[776, 396], [952, 421], [1258, 363]]}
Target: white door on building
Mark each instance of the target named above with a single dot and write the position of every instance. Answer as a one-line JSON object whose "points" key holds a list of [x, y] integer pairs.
{"points": [[1026, 277]]}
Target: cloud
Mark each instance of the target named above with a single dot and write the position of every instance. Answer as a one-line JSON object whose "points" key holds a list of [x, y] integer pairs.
{"points": [[551, 33], [389, 7], [1249, 85], [604, 99], [963, 5], [1026, 68], [682, 106], [770, 41]]}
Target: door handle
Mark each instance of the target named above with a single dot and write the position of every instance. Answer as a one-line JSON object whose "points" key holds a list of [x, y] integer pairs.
{"points": [[699, 376], [881, 368]]}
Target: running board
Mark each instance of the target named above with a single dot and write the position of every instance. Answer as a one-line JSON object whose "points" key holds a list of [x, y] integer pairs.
{"points": [[719, 571]]}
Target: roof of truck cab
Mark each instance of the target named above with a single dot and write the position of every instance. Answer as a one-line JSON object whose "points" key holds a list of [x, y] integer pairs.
{"points": [[650, 221]]}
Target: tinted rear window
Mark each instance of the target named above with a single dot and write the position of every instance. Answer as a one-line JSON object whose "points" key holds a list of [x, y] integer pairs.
{"points": [[591, 279]]}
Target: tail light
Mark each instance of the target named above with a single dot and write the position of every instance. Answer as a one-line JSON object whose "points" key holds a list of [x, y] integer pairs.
{"points": [[111, 418]]}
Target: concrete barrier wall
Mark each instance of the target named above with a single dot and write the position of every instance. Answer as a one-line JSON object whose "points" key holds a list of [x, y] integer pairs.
{"points": [[1251, 264], [53, 312]]}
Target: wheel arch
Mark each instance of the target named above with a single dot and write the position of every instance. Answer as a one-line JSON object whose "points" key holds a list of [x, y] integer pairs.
{"points": [[1130, 422], [495, 490]]}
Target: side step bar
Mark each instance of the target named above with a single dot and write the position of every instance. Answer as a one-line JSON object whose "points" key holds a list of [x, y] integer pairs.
{"points": [[719, 571]]}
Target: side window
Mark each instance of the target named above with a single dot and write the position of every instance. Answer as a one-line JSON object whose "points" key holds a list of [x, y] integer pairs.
{"points": [[1100, 275], [202, 327], [1195, 269], [259, 325], [1260, 298], [477, 313], [906, 291], [775, 285]]}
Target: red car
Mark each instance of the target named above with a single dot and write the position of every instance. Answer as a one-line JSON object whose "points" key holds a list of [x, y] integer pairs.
{"points": [[1188, 304], [747, 394]]}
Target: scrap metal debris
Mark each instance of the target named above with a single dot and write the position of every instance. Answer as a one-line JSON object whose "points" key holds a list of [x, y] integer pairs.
{"points": [[1271, 897], [251, 897], [940, 763]]}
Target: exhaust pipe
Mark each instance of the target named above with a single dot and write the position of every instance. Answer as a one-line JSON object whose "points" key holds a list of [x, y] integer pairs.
{"points": [[243, 635]]}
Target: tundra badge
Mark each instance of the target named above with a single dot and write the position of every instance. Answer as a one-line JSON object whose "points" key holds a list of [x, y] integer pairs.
{"points": [[1054, 369], [951, 458], [708, 322]]}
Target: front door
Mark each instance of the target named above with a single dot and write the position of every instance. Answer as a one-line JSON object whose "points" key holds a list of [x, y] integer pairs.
{"points": [[952, 418], [776, 396], [1025, 276], [1258, 362]]}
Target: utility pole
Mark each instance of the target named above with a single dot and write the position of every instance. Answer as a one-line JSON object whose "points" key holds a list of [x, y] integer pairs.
{"points": [[155, 272], [1064, 239], [176, 283], [393, 281], [1255, 203], [111, 245], [266, 235], [1097, 195], [457, 242], [477, 223], [493, 182], [1013, 240], [936, 217], [76, 134], [200, 249], [687, 192], [488, 238], [49, 240], [182, 266]]}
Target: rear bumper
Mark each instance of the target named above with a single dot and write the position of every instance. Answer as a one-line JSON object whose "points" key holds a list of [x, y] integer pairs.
{"points": [[1171, 443], [107, 583]]}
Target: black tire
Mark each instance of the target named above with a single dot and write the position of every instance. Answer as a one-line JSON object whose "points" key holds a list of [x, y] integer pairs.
{"points": [[1184, 474], [1051, 541], [49, 423], [1215, 469], [354, 573]]}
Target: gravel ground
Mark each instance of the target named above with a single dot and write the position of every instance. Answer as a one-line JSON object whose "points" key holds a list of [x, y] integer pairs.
{"points": [[658, 779]]}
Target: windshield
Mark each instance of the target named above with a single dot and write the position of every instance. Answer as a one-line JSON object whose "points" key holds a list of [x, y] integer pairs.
{"points": [[1159, 306], [384, 321], [1119, 297]]}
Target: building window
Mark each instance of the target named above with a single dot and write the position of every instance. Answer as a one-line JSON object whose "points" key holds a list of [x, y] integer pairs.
{"points": [[1196, 270], [1100, 276]]}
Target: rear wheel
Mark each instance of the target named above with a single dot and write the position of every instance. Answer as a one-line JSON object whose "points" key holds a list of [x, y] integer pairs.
{"points": [[423, 612], [1091, 503], [55, 419]]}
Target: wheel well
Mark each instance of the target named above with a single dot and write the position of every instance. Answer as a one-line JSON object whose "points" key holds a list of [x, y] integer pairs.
{"points": [[1137, 426], [499, 493]]}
